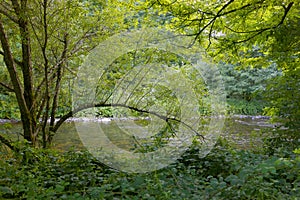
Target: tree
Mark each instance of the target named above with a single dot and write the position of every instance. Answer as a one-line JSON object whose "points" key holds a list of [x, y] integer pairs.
{"points": [[246, 83], [252, 32], [42, 42]]}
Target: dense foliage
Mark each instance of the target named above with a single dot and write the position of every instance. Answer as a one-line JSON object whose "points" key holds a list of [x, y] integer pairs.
{"points": [[256, 44], [248, 33], [246, 83], [244, 87], [225, 173]]}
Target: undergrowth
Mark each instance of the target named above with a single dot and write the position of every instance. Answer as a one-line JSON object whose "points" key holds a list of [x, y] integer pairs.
{"points": [[225, 173]]}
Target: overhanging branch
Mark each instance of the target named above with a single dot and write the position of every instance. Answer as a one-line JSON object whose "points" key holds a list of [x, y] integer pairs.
{"points": [[86, 106], [259, 31], [211, 22], [222, 12]]}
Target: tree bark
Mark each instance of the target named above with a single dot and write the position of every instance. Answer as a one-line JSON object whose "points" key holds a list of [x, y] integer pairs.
{"points": [[10, 65]]}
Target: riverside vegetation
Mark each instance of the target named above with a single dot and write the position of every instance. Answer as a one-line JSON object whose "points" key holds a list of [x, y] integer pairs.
{"points": [[225, 173], [256, 46]]}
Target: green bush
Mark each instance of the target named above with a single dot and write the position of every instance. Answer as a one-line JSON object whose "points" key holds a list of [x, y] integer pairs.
{"points": [[281, 142], [284, 97], [225, 173], [244, 107], [246, 83]]}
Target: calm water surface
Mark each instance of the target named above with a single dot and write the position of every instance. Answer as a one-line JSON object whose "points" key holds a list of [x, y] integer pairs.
{"points": [[242, 131]]}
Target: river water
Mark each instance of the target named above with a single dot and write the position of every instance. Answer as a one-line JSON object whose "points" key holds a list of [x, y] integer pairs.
{"points": [[241, 131]]}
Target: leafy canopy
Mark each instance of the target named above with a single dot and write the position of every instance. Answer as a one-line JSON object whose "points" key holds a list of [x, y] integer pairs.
{"points": [[246, 32]]}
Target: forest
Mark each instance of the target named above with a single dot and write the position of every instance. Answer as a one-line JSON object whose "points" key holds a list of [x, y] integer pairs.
{"points": [[149, 99]]}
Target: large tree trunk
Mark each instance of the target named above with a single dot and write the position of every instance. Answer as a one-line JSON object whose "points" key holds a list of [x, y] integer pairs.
{"points": [[27, 73], [10, 64], [24, 94]]}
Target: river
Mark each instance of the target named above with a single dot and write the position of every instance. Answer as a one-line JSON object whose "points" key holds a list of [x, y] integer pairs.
{"points": [[241, 131]]}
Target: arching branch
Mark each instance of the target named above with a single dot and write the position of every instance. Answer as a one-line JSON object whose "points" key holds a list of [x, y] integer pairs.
{"points": [[167, 119]]}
